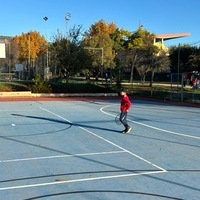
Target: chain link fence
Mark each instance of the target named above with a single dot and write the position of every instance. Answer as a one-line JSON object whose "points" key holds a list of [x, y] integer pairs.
{"points": [[185, 87]]}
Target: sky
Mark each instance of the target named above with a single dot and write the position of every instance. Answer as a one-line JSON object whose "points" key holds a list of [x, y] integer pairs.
{"points": [[156, 16]]}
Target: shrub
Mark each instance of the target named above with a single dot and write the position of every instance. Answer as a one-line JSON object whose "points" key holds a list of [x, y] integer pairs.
{"points": [[4, 88], [40, 86]]}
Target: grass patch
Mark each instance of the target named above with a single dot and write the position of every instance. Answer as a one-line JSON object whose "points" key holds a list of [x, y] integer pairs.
{"points": [[13, 87]]}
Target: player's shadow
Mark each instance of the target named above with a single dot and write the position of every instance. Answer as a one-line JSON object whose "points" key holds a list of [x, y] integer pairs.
{"points": [[43, 118], [70, 123], [96, 127]]}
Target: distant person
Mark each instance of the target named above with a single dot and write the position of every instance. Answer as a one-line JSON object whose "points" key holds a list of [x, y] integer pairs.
{"points": [[124, 108], [194, 83]]}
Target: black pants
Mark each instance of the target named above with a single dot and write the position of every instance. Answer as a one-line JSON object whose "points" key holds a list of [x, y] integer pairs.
{"points": [[123, 119]]}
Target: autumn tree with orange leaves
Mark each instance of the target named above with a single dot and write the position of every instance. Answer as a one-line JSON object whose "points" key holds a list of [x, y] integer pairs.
{"points": [[30, 46]]}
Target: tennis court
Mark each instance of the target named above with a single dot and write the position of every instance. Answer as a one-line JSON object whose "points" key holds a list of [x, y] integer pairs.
{"points": [[75, 150]]}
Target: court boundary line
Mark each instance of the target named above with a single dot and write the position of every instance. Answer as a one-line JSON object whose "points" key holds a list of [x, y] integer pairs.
{"points": [[108, 141], [160, 169], [59, 156], [77, 180], [152, 127]]}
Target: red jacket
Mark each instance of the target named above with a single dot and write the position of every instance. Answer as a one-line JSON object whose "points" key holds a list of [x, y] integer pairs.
{"points": [[125, 104]]}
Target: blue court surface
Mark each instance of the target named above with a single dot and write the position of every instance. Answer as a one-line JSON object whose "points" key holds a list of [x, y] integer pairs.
{"points": [[74, 150]]}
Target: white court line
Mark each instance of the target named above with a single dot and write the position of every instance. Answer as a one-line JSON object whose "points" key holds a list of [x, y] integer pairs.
{"points": [[55, 114], [109, 142], [89, 179], [77, 180], [153, 127], [59, 156], [150, 163]]}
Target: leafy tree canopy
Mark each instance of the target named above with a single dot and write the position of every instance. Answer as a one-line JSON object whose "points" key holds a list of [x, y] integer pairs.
{"points": [[30, 43]]}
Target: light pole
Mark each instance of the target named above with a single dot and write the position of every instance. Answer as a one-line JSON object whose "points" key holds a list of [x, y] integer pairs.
{"points": [[46, 72], [29, 53], [102, 59], [67, 18]]}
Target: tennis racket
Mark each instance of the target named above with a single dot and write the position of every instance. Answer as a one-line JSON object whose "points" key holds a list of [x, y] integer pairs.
{"points": [[117, 119]]}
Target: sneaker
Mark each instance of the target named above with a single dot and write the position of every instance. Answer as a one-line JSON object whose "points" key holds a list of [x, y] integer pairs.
{"points": [[128, 130]]}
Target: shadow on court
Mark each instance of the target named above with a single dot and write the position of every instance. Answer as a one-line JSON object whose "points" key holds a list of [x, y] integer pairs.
{"points": [[69, 123], [81, 192]]}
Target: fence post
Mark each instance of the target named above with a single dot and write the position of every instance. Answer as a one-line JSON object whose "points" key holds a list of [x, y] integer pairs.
{"points": [[182, 87]]}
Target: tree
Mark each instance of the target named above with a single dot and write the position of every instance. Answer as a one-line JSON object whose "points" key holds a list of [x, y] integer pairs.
{"points": [[180, 55], [159, 62], [99, 37], [102, 28], [67, 53], [30, 46], [139, 44], [188, 58], [32, 43], [194, 60], [118, 40], [122, 55], [144, 56], [98, 42]]}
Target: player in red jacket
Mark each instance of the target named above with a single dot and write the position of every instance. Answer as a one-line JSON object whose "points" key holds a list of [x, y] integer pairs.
{"points": [[124, 108]]}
